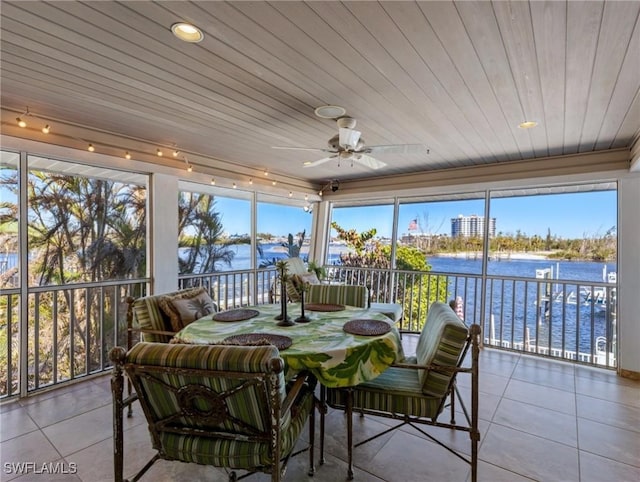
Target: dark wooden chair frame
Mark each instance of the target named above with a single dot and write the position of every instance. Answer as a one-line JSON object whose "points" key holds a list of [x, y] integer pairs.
{"points": [[473, 343], [269, 382]]}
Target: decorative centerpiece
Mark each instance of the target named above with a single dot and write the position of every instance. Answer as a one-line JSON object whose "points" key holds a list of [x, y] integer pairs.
{"points": [[304, 287], [283, 272]]}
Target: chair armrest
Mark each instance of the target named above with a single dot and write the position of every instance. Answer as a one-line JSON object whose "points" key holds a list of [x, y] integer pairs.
{"points": [[440, 368], [152, 332], [294, 391]]}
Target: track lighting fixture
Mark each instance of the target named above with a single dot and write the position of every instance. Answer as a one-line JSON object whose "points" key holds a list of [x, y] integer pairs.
{"points": [[213, 181], [176, 153], [234, 185], [46, 129], [21, 122], [290, 194], [266, 173], [189, 168], [127, 155], [273, 183], [90, 148], [250, 181], [159, 152]]}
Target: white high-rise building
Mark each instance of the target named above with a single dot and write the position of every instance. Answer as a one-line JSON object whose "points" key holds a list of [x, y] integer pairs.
{"points": [[468, 226]]}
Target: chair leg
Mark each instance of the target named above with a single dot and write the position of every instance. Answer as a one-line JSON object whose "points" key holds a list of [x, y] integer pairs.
{"points": [[349, 412], [312, 438], [323, 412], [117, 356]]}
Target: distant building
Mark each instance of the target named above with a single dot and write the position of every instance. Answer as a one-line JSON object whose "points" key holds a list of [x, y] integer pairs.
{"points": [[469, 226]]}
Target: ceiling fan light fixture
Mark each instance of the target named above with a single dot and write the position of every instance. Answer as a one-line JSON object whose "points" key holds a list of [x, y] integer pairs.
{"points": [[349, 138], [330, 111], [187, 32], [527, 124]]}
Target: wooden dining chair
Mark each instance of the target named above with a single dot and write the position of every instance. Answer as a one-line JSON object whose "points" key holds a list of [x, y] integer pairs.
{"points": [[225, 406], [417, 390]]}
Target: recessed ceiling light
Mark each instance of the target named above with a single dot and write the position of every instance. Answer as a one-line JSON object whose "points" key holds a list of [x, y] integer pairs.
{"points": [[330, 111], [527, 124], [187, 32]]}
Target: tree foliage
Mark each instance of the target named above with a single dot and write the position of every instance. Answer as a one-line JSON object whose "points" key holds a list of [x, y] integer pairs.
{"points": [[201, 235], [416, 291], [80, 229]]}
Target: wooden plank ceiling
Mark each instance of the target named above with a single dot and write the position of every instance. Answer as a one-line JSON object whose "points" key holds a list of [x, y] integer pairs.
{"points": [[457, 77]]}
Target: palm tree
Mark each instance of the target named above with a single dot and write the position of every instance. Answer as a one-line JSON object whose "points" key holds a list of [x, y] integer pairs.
{"points": [[201, 231]]}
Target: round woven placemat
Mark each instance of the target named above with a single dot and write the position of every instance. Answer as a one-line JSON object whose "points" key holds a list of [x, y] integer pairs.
{"points": [[235, 315], [323, 307], [281, 342], [367, 327]]}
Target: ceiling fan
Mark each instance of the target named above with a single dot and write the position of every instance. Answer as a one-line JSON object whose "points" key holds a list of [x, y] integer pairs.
{"points": [[348, 145]]}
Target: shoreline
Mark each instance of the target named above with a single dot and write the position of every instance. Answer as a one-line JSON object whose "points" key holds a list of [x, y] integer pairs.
{"points": [[500, 256]]}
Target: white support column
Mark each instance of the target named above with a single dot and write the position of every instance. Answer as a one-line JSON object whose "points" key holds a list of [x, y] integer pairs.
{"points": [[320, 239], [628, 317], [163, 233]]}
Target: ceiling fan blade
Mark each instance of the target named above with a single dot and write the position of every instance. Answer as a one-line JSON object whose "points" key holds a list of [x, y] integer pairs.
{"points": [[316, 149], [320, 161], [349, 138], [368, 161], [398, 149]]}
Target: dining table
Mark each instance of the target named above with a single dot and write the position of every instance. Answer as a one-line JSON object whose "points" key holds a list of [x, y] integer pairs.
{"points": [[324, 346]]}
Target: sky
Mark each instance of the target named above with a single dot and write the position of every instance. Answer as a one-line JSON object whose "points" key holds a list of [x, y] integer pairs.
{"points": [[566, 215], [570, 216]]}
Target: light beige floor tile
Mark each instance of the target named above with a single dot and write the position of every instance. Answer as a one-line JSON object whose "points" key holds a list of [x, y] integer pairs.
{"points": [[410, 458], [95, 463], [530, 456], [363, 428], [594, 468], [51, 410], [541, 396], [77, 433], [14, 423], [614, 443], [533, 420], [616, 414], [489, 383], [492, 473], [546, 364], [63, 389], [455, 439], [603, 375], [31, 447], [497, 362], [487, 403], [613, 392], [562, 380], [9, 405]]}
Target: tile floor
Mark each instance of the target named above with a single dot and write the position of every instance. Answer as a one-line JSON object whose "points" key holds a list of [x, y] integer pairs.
{"points": [[540, 420]]}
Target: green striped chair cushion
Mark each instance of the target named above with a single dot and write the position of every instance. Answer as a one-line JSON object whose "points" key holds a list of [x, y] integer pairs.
{"points": [[245, 405], [235, 453], [291, 286], [396, 391], [159, 392], [149, 315], [441, 342], [351, 295]]}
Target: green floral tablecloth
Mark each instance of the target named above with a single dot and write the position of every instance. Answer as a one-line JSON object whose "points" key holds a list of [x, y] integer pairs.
{"points": [[336, 358]]}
